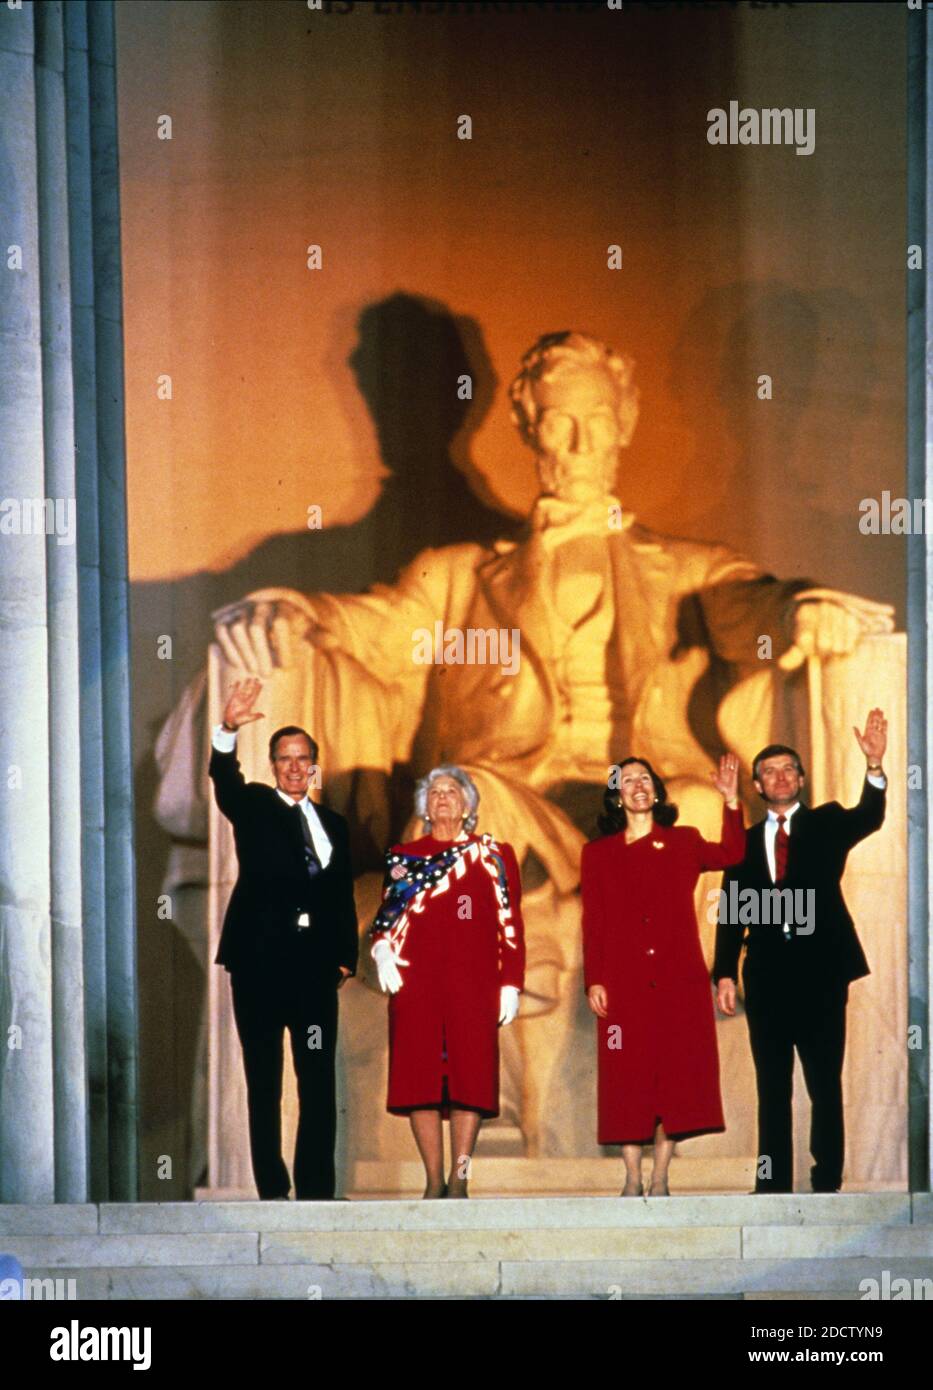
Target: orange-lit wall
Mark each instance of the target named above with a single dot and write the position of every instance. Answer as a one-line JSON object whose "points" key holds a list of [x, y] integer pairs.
{"points": [[293, 387]]}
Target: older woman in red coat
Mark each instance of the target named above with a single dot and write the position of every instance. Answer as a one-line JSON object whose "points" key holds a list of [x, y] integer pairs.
{"points": [[644, 972], [449, 949]]}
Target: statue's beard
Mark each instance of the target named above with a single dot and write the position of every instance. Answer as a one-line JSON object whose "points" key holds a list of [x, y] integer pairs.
{"points": [[577, 477]]}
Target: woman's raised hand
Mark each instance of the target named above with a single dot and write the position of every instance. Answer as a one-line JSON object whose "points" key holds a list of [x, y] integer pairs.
{"points": [[726, 781]]}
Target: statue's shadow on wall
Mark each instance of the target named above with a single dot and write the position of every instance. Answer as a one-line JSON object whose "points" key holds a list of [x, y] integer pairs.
{"points": [[412, 361], [751, 455]]}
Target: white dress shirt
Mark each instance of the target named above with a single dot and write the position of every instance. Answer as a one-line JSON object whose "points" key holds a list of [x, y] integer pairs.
{"points": [[771, 825], [225, 742]]}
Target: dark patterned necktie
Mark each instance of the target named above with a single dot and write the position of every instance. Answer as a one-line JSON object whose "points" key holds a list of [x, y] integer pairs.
{"points": [[312, 863], [781, 843]]}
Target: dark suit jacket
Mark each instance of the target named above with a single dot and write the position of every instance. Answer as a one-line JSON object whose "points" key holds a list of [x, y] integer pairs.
{"points": [[820, 840], [273, 885]]}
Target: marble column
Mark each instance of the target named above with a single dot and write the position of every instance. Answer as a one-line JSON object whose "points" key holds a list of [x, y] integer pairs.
{"points": [[67, 930], [920, 593]]}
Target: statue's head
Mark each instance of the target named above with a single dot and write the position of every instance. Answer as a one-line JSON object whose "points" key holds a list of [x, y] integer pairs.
{"points": [[574, 403]]}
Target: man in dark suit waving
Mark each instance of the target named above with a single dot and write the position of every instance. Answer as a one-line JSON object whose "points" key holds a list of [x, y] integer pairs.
{"points": [[802, 953], [289, 941]]}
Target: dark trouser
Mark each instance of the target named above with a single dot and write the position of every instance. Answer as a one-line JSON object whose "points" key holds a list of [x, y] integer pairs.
{"points": [[781, 1017], [265, 1003]]}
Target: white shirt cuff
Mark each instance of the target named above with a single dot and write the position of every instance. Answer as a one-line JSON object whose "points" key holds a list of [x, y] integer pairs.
{"points": [[876, 781], [222, 740]]}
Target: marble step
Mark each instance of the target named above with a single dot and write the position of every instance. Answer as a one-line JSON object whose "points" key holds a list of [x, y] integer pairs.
{"points": [[463, 1245], [839, 1210], [515, 1213], [603, 1280], [701, 1247]]}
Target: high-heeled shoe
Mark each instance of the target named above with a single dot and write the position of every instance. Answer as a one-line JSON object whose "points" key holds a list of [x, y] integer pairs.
{"points": [[659, 1190], [628, 1191]]}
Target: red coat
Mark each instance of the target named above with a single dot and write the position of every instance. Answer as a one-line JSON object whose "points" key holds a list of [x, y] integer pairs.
{"points": [[449, 1000], [657, 1057]]}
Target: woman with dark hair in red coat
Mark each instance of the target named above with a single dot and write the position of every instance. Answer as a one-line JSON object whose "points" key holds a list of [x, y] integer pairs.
{"points": [[644, 972], [451, 920]]}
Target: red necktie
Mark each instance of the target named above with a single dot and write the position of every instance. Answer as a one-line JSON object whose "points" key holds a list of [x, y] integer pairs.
{"points": [[781, 842]]}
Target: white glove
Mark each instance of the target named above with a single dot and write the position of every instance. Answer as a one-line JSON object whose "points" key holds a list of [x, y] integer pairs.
{"points": [[387, 966], [508, 1004]]}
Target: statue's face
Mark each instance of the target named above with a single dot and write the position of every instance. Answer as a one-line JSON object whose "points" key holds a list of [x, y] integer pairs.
{"points": [[577, 435], [446, 801]]}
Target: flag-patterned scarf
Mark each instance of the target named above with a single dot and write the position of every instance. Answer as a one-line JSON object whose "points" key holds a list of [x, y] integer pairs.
{"points": [[414, 880]]}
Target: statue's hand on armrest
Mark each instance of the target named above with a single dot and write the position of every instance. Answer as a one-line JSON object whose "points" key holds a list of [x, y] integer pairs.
{"points": [[265, 630], [828, 622]]}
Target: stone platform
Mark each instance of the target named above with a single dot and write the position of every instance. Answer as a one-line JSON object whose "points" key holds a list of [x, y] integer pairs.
{"points": [[501, 1176], [715, 1247]]}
